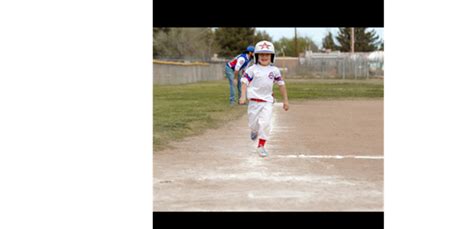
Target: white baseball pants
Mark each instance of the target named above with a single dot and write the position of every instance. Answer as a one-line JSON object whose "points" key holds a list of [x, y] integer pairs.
{"points": [[260, 114]]}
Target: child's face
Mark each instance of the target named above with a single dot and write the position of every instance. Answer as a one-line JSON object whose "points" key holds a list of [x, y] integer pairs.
{"points": [[264, 58]]}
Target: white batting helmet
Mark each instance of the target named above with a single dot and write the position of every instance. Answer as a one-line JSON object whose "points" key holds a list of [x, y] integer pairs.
{"points": [[265, 47]]}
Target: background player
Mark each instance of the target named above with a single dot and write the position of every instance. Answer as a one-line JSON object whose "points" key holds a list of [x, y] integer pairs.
{"points": [[233, 71]]}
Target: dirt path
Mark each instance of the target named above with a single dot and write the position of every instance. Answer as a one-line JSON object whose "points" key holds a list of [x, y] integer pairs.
{"points": [[324, 156]]}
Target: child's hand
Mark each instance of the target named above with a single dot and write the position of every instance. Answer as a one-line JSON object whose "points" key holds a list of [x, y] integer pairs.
{"points": [[286, 106], [242, 101]]}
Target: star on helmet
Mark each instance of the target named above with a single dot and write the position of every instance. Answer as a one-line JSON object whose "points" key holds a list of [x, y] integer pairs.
{"points": [[264, 45]]}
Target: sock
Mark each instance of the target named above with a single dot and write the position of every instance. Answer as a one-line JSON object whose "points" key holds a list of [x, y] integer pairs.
{"points": [[261, 142]]}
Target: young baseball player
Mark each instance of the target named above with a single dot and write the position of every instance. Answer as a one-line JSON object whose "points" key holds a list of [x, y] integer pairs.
{"points": [[257, 86]]}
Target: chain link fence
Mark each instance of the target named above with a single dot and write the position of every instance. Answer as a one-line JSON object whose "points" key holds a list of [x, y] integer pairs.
{"points": [[334, 65], [339, 66]]}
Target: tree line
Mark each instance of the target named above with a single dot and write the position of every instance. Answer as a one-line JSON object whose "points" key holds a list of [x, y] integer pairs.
{"points": [[203, 43]]}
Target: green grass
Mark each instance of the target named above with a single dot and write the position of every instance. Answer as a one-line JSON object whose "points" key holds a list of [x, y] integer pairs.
{"points": [[190, 109], [185, 110], [331, 89]]}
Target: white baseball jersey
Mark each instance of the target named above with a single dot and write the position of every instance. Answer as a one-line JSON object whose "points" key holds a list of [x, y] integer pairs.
{"points": [[260, 80]]}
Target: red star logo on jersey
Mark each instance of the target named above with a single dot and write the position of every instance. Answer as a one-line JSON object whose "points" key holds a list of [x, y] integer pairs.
{"points": [[264, 45]]}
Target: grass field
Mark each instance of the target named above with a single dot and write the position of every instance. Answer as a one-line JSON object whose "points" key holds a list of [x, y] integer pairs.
{"points": [[331, 89], [185, 110]]}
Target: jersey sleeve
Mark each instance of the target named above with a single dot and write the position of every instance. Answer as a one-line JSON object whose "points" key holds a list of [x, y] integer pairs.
{"points": [[248, 76], [240, 62], [278, 79]]}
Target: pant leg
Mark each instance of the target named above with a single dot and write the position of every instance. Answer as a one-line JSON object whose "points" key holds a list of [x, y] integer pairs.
{"points": [[230, 77], [239, 85], [253, 111], [265, 120]]}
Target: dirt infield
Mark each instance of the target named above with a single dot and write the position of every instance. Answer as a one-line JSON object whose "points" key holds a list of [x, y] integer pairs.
{"points": [[324, 156]]}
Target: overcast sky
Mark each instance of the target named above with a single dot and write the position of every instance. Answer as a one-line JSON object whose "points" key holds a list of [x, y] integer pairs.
{"points": [[316, 34]]}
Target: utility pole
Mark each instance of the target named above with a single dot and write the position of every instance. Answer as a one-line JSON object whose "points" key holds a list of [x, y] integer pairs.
{"points": [[352, 40], [296, 47], [296, 44]]}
